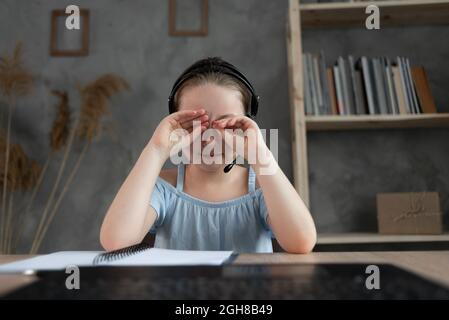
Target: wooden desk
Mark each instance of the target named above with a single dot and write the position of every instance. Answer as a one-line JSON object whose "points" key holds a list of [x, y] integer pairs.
{"points": [[433, 265]]}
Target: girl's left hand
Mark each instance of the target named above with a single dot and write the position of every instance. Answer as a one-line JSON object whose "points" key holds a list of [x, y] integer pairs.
{"points": [[250, 137]]}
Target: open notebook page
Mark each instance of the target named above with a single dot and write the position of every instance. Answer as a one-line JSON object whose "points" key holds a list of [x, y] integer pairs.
{"points": [[150, 257], [157, 257], [54, 261]]}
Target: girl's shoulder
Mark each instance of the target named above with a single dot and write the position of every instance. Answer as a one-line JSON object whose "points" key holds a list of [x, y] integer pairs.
{"points": [[169, 175]]}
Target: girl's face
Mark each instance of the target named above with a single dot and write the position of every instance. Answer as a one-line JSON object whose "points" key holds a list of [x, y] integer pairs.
{"points": [[219, 102]]}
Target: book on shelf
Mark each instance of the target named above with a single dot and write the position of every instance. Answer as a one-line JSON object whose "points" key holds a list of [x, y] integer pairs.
{"points": [[365, 86], [423, 91]]}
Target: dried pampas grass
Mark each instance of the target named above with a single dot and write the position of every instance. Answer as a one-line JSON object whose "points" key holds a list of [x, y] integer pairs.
{"points": [[15, 81], [60, 130], [58, 137], [22, 176], [23, 172], [94, 105]]}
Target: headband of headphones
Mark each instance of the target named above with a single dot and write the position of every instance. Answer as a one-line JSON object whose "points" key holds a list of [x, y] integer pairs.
{"points": [[214, 65]]}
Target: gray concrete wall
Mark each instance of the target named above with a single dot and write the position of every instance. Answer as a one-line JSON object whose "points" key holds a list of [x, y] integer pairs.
{"points": [[130, 38]]}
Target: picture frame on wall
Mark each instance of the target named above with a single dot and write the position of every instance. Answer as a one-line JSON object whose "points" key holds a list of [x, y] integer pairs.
{"points": [[65, 42], [173, 18]]}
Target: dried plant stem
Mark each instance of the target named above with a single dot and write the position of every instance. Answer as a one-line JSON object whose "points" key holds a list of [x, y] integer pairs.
{"points": [[62, 194], [11, 104], [8, 218], [9, 223], [6, 222], [55, 186], [27, 210]]}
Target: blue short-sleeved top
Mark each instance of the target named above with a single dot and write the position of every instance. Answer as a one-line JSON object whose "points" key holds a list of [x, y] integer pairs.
{"points": [[189, 223]]}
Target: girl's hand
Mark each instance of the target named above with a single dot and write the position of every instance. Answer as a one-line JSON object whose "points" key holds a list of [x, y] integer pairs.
{"points": [[255, 150], [168, 138]]}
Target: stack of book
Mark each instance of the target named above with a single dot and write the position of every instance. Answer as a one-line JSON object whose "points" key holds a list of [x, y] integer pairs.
{"points": [[378, 85]]}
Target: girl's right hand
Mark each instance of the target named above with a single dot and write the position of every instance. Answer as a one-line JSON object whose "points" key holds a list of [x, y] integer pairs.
{"points": [[168, 138]]}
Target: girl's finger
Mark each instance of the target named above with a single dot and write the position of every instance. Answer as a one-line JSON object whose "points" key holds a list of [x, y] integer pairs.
{"points": [[221, 123], [185, 115], [190, 126], [227, 120], [189, 122], [241, 121], [235, 122], [198, 115]]}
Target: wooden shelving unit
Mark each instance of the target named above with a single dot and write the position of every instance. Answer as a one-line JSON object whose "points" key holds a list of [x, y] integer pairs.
{"points": [[393, 13], [377, 238], [356, 122], [342, 15]]}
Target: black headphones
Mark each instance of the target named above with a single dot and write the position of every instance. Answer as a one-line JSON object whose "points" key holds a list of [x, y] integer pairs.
{"points": [[215, 65]]}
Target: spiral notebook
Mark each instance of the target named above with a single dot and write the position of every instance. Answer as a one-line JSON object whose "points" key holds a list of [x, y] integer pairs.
{"points": [[137, 255]]}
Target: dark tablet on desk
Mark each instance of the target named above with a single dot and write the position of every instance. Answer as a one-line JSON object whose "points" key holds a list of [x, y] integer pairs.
{"points": [[261, 281]]}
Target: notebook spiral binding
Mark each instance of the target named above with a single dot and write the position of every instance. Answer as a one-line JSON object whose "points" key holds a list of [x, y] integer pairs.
{"points": [[120, 253]]}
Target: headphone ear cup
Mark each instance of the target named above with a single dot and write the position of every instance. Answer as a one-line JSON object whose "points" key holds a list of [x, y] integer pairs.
{"points": [[254, 105], [170, 105]]}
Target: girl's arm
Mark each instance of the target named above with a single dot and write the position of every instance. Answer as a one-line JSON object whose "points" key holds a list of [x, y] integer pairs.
{"points": [[130, 217], [288, 217]]}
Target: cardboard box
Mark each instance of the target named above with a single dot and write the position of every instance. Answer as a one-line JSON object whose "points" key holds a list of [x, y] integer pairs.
{"points": [[409, 213]]}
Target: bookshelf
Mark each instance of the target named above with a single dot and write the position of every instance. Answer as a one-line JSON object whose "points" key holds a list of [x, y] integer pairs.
{"points": [[348, 15]]}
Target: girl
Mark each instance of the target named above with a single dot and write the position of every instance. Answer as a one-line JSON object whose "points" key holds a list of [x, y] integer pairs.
{"points": [[200, 206]]}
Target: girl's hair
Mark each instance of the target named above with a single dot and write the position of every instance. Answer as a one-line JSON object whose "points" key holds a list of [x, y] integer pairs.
{"points": [[214, 77]]}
